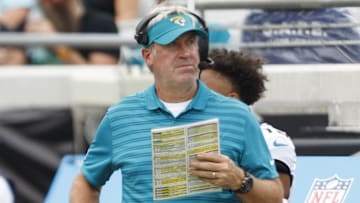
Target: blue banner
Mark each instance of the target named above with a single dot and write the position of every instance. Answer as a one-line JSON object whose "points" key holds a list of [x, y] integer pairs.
{"points": [[326, 179]]}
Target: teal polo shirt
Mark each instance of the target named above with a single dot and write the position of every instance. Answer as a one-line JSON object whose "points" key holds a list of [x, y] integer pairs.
{"points": [[123, 141]]}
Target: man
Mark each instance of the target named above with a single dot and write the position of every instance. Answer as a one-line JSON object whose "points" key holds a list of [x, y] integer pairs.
{"points": [[244, 168], [240, 76]]}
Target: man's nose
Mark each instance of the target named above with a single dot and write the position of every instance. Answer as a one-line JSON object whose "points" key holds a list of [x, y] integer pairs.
{"points": [[184, 48]]}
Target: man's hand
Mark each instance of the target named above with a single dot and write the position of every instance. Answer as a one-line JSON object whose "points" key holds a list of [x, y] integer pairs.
{"points": [[218, 170], [221, 171]]}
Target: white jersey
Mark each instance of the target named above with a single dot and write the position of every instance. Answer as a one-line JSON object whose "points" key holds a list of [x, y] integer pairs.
{"points": [[6, 195], [280, 145]]}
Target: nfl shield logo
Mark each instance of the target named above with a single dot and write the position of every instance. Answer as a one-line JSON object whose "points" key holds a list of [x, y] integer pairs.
{"points": [[329, 190]]}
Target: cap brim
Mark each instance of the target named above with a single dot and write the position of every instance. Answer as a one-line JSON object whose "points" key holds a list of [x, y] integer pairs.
{"points": [[174, 34]]}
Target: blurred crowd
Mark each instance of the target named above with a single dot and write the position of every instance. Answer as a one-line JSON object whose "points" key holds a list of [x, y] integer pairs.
{"points": [[66, 16], [121, 16]]}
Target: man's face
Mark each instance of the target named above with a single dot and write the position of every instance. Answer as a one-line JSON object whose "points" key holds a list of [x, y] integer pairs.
{"points": [[176, 63], [216, 82]]}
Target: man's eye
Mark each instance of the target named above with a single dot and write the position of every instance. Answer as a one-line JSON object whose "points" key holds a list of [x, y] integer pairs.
{"points": [[192, 40]]}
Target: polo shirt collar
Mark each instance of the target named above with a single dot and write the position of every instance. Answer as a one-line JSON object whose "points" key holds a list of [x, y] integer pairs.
{"points": [[152, 102], [201, 98], [199, 101]]}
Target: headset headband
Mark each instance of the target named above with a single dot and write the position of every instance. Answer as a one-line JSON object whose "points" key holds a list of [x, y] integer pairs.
{"points": [[141, 36]]}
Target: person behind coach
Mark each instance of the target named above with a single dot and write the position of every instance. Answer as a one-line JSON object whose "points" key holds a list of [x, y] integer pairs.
{"points": [[240, 75], [244, 169], [7, 194]]}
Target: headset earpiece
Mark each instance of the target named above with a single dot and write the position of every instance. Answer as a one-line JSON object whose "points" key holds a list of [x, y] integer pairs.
{"points": [[141, 29]]}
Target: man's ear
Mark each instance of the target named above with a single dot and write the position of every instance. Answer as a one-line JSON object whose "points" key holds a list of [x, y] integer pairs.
{"points": [[233, 95], [146, 54]]}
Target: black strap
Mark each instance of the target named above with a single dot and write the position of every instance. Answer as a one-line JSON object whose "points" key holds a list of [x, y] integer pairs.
{"points": [[281, 167]]}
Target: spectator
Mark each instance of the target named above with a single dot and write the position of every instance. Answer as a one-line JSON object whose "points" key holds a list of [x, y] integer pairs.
{"points": [[125, 14], [12, 19], [12, 56], [13, 14], [119, 10], [70, 16], [123, 140], [240, 76]]}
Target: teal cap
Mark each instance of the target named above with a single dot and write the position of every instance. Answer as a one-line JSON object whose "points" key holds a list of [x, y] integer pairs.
{"points": [[173, 26]]}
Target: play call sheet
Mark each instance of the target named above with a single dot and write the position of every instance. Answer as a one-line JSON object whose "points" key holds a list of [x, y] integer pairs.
{"points": [[172, 149]]}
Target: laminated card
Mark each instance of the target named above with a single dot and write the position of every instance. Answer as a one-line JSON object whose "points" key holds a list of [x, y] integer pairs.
{"points": [[172, 150]]}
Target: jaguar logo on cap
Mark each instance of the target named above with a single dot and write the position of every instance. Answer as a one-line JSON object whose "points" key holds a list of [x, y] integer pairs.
{"points": [[178, 20]]}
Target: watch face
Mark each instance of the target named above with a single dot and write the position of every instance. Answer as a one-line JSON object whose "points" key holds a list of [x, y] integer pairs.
{"points": [[247, 184]]}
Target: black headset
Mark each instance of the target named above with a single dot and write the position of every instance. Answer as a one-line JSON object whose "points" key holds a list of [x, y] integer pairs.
{"points": [[141, 36]]}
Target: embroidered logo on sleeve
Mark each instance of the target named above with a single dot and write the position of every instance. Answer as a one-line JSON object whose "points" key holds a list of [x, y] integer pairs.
{"points": [[278, 143]]}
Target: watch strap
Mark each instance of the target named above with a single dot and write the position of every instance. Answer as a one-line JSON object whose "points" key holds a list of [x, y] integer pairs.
{"points": [[246, 184]]}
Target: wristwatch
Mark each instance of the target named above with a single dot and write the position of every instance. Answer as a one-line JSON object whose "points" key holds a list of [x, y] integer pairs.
{"points": [[246, 184]]}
